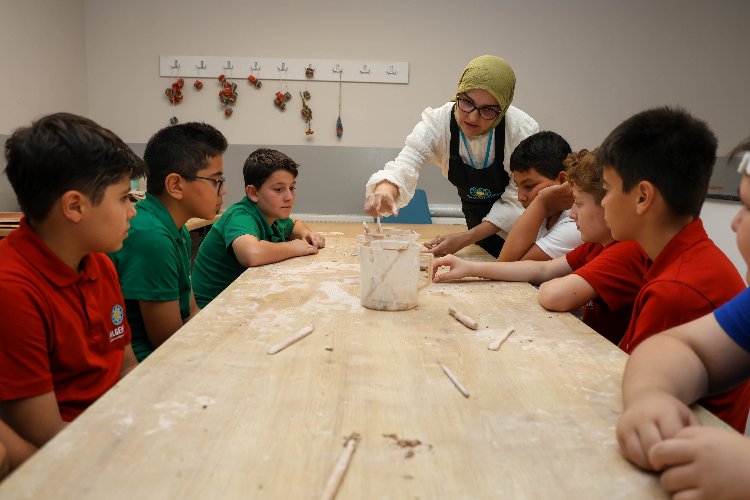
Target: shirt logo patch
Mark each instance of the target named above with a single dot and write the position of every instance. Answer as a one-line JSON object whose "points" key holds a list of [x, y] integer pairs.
{"points": [[117, 315], [477, 193]]}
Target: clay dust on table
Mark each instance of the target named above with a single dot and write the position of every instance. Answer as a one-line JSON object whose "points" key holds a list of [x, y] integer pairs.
{"points": [[409, 444]]}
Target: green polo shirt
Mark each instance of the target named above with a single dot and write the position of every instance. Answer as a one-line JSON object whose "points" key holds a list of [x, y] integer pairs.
{"points": [[154, 265], [216, 265]]}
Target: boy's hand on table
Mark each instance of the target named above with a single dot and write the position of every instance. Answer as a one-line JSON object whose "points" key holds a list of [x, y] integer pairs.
{"points": [[459, 268], [315, 239], [555, 198], [302, 247], [448, 244], [704, 462], [649, 419]]}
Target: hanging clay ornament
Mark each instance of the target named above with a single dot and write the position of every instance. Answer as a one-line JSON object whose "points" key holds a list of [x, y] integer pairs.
{"points": [[227, 94], [339, 126], [252, 80], [174, 92], [306, 113], [279, 101], [198, 85]]}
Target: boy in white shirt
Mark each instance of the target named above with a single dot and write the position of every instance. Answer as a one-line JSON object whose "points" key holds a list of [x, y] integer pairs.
{"points": [[544, 231]]}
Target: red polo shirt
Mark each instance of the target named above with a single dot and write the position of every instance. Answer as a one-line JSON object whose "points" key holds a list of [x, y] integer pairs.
{"points": [[62, 330], [689, 278], [616, 272]]}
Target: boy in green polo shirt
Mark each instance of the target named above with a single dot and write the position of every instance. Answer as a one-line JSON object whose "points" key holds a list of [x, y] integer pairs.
{"points": [[256, 230], [185, 181]]}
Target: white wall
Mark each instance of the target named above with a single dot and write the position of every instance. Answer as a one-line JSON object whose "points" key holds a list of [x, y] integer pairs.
{"points": [[582, 65], [42, 60], [42, 67]]}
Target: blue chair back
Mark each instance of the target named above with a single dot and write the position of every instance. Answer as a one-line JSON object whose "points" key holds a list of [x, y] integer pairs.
{"points": [[416, 212]]}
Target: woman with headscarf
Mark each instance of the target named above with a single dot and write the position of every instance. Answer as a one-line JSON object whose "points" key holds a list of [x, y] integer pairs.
{"points": [[470, 138]]}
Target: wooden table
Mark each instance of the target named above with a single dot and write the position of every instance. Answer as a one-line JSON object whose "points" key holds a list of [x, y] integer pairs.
{"points": [[211, 415], [198, 223], [8, 222]]}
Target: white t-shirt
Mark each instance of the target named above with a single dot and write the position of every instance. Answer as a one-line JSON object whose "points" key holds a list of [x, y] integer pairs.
{"points": [[560, 238]]}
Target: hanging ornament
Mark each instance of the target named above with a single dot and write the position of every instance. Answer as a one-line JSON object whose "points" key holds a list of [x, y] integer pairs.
{"points": [[306, 112], [174, 92], [339, 126], [198, 84], [253, 79], [280, 98], [280, 101], [309, 71], [227, 94]]}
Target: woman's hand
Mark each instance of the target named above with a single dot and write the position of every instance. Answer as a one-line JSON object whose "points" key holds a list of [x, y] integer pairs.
{"points": [[383, 200]]}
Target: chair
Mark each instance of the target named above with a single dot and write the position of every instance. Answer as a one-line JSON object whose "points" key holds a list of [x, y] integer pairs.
{"points": [[416, 212]]}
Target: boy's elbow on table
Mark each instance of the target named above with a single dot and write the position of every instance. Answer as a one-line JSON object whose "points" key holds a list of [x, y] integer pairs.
{"points": [[554, 298]]}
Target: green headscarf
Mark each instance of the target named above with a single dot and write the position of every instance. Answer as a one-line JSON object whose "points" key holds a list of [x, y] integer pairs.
{"points": [[492, 74]]}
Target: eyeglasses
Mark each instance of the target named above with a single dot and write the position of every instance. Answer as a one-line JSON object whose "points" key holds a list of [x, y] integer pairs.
{"points": [[486, 112], [219, 183]]}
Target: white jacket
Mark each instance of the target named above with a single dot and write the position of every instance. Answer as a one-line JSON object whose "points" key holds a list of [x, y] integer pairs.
{"points": [[429, 143]]}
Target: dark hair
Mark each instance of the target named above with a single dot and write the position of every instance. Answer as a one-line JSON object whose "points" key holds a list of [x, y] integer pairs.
{"points": [[667, 147], [61, 152], [181, 149], [584, 174], [262, 162], [543, 151], [741, 148]]}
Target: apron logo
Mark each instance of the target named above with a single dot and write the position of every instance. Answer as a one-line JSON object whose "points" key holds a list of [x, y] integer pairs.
{"points": [[476, 193]]}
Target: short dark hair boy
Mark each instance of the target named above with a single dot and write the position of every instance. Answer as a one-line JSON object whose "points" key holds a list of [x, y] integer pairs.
{"points": [[544, 231], [185, 181], [64, 339], [656, 166], [256, 230]]}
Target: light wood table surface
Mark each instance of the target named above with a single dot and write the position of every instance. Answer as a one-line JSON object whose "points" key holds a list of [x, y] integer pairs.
{"points": [[211, 415], [8, 222]]}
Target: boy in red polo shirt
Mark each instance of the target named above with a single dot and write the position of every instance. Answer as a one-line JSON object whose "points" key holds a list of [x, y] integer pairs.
{"points": [[668, 372], [602, 275], [656, 168], [64, 339]]}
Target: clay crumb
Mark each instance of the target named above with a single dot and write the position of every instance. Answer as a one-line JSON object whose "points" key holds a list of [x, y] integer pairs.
{"points": [[328, 348], [405, 443], [205, 406]]}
